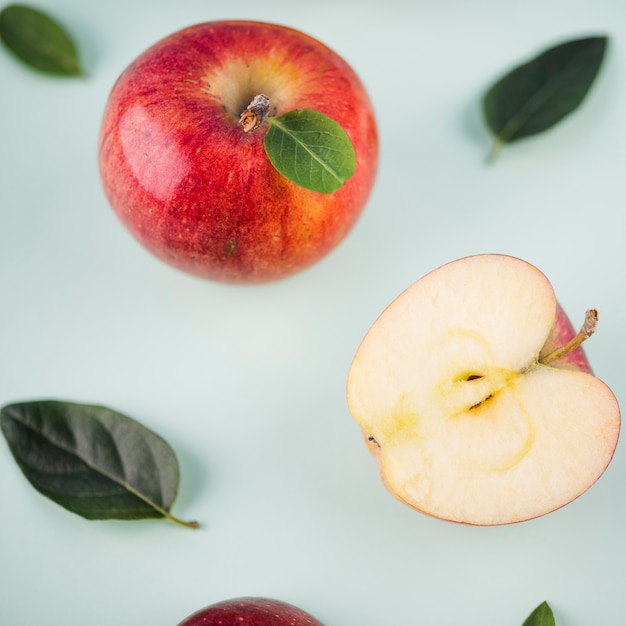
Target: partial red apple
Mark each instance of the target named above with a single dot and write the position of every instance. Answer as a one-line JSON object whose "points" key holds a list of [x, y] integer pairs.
{"points": [[251, 612], [476, 399], [197, 190]]}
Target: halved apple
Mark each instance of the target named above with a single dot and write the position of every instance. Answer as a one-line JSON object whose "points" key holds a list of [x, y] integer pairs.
{"points": [[475, 398]]}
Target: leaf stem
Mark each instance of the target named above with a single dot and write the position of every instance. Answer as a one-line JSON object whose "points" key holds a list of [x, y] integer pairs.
{"points": [[588, 328], [164, 512], [495, 151], [193, 524]]}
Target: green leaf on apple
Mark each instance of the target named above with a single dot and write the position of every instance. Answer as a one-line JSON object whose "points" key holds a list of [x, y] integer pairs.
{"points": [[310, 149], [38, 40], [536, 95], [541, 616], [93, 461]]}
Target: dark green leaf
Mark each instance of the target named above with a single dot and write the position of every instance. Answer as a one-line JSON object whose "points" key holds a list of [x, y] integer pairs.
{"points": [[310, 149], [91, 460], [38, 40], [535, 96], [541, 616]]}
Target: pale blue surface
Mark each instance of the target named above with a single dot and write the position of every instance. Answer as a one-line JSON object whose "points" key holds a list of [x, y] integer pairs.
{"points": [[247, 384]]}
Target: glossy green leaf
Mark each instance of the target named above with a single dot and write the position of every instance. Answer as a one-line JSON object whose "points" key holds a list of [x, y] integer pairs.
{"points": [[93, 461], [536, 95], [38, 40], [541, 616], [310, 149]]}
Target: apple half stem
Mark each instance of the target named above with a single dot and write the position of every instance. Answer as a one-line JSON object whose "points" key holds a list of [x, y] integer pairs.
{"points": [[255, 114], [588, 328]]}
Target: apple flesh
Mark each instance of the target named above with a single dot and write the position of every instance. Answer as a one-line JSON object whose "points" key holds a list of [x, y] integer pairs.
{"points": [[251, 612], [470, 408], [196, 189]]}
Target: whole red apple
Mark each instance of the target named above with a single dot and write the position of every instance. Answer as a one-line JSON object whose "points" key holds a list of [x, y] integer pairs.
{"points": [[196, 189], [250, 612]]}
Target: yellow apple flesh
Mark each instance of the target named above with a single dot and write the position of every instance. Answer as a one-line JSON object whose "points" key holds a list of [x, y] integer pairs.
{"points": [[465, 414]]}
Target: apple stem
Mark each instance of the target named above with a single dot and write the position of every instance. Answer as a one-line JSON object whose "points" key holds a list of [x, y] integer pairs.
{"points": [[255, 114], [588, 328]]}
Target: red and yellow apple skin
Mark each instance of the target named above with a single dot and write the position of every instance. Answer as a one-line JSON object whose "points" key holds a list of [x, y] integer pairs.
{"points": [[199, 192], [251, 612]]}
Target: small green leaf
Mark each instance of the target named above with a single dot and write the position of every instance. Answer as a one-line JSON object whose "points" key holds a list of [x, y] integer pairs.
{"points": [[538, 94], [38, 40], [310, 149], [541, 616], [93, 461]]}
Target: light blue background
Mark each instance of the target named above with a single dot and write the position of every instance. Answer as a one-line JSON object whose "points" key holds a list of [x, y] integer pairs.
{"points": [[248, 383]]}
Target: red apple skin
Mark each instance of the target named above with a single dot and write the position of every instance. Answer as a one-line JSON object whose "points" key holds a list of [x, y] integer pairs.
{"points": [[199, 192], [250, 612]]}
